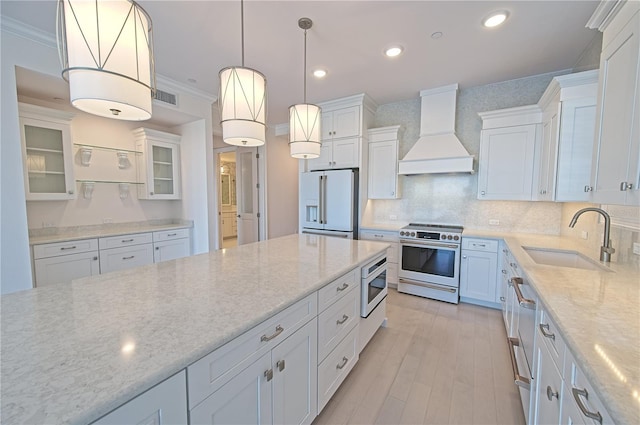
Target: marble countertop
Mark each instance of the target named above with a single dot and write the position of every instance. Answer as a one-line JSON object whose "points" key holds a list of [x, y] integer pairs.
{"points": [[62, 345], [597, 313], [65, 234]]}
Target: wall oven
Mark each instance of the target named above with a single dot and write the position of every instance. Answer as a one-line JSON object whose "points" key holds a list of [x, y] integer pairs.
{"points": [[430, 261], [374, 284]]}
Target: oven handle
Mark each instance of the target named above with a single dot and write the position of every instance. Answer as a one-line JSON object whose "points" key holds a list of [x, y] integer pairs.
{"points": [[427, 285], [406, 242], [519, 380]]}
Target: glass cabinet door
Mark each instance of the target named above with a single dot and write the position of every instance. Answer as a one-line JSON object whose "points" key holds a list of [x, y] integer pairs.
{"points": [[163, 163], [158, 164]]}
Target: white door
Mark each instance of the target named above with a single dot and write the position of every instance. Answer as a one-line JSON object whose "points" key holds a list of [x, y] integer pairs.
{"points": [[65, 268], [338, 200], [247, 194], [310, 214]]}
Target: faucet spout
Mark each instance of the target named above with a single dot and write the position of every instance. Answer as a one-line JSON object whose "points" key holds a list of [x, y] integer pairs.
{"points": [[606, 249]]}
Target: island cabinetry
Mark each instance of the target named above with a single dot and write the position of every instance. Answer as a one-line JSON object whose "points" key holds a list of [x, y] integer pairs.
{"points": [[64, 261], [508, 144], [166, 403], [47, 153], [267, 375], [158, 164], [479, 272], [616, 164], [383, 163], [125, 252], [171, 244], [393, 252]]}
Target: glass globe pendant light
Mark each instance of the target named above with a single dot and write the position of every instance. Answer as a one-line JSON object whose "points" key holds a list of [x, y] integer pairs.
{"points": [[243, 102], [106, 51], [304, 118]]}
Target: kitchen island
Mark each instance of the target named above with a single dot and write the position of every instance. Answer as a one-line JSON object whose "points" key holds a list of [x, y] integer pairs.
{"points": [[72, 353]]}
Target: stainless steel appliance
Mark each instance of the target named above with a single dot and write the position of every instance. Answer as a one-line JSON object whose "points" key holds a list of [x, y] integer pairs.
{"points": [[374, 285], [328, 203], [430, 261]]}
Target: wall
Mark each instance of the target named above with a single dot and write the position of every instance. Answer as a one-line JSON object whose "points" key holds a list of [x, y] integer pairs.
{"points": [[282, 188], [590, 57], [451, 198]]}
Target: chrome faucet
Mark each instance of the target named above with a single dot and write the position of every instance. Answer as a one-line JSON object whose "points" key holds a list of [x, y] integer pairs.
{"points": [[606, 249]]}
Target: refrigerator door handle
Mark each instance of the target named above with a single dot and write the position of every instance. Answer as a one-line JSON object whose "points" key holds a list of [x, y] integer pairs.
{"points": [[320, 200], [323, 205]]}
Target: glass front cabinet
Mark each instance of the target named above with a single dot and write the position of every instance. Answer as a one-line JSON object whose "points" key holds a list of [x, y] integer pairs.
{"points": [[158, 164], [47, 153]]}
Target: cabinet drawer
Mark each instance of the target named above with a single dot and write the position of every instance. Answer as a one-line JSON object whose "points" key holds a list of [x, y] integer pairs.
{"points": [[64, 248], [548, 332], [167, 235], [336, 321], [338, 289], [379, 235], [217, 368], [486, 245], [335, 368], [125, 258], [124, 240]]}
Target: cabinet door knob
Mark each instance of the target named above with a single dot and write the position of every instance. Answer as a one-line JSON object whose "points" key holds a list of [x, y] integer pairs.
{"points": [[464, 257], [280, 365], [624, 186], [71, 192], [588, 188], [551, 394], [268, 374], [482, 192], [151, 193]]}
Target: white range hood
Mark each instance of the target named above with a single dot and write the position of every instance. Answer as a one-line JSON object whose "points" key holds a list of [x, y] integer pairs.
{"points": [[438, 150]]}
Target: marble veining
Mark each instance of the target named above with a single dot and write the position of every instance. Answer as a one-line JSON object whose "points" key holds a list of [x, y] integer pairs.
{"points": [[73, 352]]}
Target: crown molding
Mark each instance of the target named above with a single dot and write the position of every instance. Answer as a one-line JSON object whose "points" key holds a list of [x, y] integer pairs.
{"points": [[28, 32]]}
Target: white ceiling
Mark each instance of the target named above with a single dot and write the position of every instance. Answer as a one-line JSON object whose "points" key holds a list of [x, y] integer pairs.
{"points": [[195, 39]]}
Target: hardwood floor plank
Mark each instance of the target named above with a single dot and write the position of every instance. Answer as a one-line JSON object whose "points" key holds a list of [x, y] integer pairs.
{"points": [[390, 412], [415, 408]]}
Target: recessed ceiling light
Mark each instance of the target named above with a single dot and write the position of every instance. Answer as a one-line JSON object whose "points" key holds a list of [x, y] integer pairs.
{"points": [[393, 51], [319, 73], [495, 19]]}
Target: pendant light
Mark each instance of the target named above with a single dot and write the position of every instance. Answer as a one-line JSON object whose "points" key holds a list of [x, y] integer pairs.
{"points": [[304, 118], [106, 51], [243, 102]]}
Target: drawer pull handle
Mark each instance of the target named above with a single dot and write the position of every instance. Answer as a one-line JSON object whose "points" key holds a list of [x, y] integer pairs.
{"points": [[343, 363], [502, 299], [342, 288], [128, 258], [268, 374], [551, 394], [544, 329], [265, 338], [127, 240], [519, 380], [171, 234], [344, 319], [583, 392], [64, 248], [524, 302], [479, 244], [280, 364]]}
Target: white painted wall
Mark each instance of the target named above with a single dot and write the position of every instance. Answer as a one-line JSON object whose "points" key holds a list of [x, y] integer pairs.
{"points": [[282, 188]]}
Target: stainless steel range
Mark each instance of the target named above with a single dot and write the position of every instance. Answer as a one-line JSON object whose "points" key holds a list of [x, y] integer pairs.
{"points": [[430, 261]]}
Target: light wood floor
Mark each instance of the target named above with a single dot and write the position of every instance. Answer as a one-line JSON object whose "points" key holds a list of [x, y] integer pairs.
{"points": [[435, 363]]}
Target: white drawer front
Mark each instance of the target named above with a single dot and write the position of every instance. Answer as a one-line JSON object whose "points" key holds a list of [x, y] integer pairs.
{"points": [[379, 235], [215, 369], [167, 235], [64, 248], [486, 245], [336, 321], [338, 289], [125, 258], [548, 332], [335, 368], [124, 240]]}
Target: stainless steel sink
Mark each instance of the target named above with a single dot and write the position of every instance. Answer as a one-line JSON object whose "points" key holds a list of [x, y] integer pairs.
{"points": [[562, 258]]}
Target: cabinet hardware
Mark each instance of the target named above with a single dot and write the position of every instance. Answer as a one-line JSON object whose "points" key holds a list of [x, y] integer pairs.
{"points": [[265, 338], [171, 234], [64, 248], [464, 257], [519, 380], [95, 258], [588, 188], [504, 271], [157, 248], [522, 301], [545, 331], [583, 392], [502, 299], [514, 265], [151, 193], [342, 288], [482, 192], [342, 363], [238, 216], [480, 244], [268, 374], [280, 364], [551, 394], [71, 192], [128, 258], [127, 240], [624, 186], [344, 319]]}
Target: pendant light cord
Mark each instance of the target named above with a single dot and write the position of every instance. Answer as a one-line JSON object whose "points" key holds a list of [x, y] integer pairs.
{"points": [[242, 28], [305, 66]]}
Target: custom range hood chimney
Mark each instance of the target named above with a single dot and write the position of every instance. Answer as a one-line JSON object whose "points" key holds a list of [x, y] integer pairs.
{"points": [[438, 150]]}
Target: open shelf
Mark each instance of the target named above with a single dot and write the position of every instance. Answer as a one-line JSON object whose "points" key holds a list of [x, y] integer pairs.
{"points": [[106, 181], [80, 145]]}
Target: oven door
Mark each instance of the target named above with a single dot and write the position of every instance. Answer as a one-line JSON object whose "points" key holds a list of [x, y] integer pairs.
{"points": [[433, 262], [374, 287]]}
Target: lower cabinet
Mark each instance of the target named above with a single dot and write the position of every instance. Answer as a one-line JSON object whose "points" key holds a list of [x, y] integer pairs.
{"points": [[393, 252], [64, 261], [125, 258], [171, 244], [479, 272], [549, 387]]}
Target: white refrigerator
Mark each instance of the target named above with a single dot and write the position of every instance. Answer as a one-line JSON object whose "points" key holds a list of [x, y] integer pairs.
{"points": [[328, 203]]}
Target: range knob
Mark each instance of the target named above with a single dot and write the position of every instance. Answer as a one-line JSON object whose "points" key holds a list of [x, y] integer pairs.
{"points": [[413, 233], [455, 238], [449, 237], [443, 236], [402, 233]]}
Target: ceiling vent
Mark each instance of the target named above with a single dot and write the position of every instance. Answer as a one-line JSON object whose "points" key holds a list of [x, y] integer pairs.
{"points": [[166, 97]]}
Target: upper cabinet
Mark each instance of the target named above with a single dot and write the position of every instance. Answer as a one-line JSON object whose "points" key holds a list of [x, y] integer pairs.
{"points": [[47, 153], [568, 121], [339, 123], [507, 151], [158, 164], [383, 163], [616, 159]]}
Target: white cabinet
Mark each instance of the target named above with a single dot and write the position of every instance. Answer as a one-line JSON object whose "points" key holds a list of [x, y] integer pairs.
{"points": [[125, 258], [61, 262], [507, 152], [46, 153], [478, 271], [171, 244], [342, 153], [158, 165], [616, 164], [340, 123], [568, 121], [166, 403], [549, 388], [393, 252], [383, 163], [229, 224]]}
